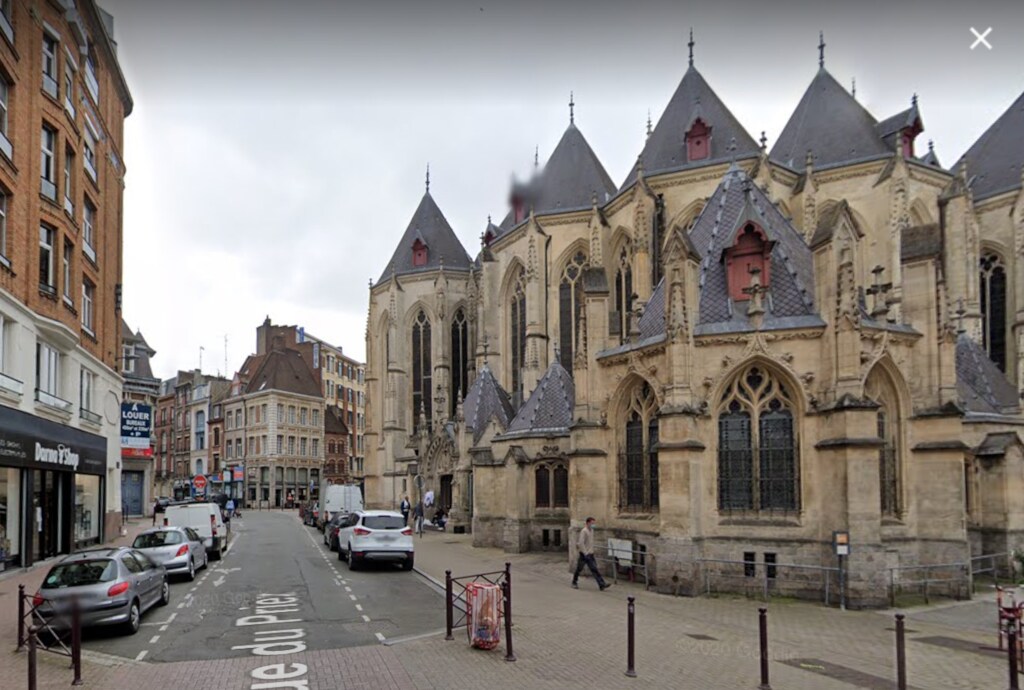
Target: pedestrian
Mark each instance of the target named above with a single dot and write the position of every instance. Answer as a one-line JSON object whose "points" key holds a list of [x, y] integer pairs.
{"points": [[405, 509], [417, 517], [585, 546], [230, 507]]}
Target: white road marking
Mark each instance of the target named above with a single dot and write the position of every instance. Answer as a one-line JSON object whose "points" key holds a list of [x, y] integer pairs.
{"points": [[163, 628], [154, 639], [348, 589], [359, 607], [366, 619], [193, 589], [181, 605], [352, 597], [144, 652], [171, 619], [219, 581], [380, 636]]}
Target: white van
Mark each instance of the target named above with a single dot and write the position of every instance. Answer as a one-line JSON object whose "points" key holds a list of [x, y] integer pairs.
{"points": [[335, 498], [204, 518]]}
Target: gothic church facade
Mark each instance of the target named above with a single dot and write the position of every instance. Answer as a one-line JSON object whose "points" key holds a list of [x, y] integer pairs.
{"points": [[733, 354]]}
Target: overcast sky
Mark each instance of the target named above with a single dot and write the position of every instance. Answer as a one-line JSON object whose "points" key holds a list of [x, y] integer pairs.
{"points": [[277, 149]]}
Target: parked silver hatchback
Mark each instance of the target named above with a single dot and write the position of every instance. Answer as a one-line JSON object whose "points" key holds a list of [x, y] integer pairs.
{"points": [[112, 586], [178, 549]]}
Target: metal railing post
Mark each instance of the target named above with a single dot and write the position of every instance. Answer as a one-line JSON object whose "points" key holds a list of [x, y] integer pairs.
{"points": [[21, 616], [630, 638], [76, 640], [1011, 651], [448, 614], [762, 615], [509, 654], [508, 579], [901, 654], [32, 658]]}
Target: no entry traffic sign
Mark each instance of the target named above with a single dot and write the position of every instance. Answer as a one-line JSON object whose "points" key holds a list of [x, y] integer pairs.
{"points": [[199, 482]]}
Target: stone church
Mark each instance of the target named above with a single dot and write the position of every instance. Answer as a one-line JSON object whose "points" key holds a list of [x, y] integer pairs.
{"points": [[731, 355]]}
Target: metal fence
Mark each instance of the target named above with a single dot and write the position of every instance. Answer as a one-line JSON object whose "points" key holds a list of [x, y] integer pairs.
{"points": [[765, 580], [623, 559], [58, 631]]}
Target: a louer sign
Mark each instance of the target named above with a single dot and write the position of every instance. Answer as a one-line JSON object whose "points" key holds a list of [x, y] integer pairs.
{"points": [[136, 423]]}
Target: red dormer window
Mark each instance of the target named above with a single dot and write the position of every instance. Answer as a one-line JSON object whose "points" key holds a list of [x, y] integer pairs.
{"points": [[419, 253], [749, 254], [518, 210], [488, 237], [698, 141]]}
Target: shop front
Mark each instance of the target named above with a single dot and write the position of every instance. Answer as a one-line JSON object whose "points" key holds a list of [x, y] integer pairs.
{"points": [[51, 488]]}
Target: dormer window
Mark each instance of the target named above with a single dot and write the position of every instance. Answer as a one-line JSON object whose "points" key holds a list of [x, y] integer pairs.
{"points": [[518, 209], [419, 253], [748, 256], [698, 141]]}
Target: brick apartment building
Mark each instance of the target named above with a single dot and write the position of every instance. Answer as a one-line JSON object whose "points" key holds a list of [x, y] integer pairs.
{"points": [[63, 101]]}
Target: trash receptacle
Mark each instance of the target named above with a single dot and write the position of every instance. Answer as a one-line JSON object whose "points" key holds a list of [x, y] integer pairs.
{"points": [[483, 603]]}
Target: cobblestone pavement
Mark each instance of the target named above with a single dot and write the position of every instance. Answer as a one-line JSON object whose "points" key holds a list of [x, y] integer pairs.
{"points": [[576, 638]]}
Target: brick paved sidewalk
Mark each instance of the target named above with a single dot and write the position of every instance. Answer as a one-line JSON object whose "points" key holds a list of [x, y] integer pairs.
{"points": [[564, 637]]}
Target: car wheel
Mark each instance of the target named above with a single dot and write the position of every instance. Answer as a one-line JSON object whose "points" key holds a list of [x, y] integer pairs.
{"points": [[354, 562], [407, 564], [165, 593], [131, 626], [341, 553], [217, 554], [191, 569]]}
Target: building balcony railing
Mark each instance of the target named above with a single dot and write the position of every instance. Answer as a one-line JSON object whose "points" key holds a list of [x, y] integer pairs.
{"points": [[51, 400], [11, 384], [90, 416]]}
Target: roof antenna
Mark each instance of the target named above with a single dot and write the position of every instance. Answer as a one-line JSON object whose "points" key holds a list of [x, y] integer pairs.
{"points": [[572, 116], [428, 178], [690, 45], [821, 49]]}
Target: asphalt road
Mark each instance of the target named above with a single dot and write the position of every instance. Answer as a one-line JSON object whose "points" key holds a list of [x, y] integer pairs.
{"points": [[275, 558]]}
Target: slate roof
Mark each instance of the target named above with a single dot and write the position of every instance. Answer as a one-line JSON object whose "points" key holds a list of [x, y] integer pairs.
{"points": [[790, 299], [284, 370], [665, 148], [996, 443], [983, 389], [486, 400], [430, 226], [930, 158], [891, 126], [334, 422], [828, 221], [570, 178], [995, 159], [921, 241], [832, 124], [653, 321], [549, 409], [143, 367]]}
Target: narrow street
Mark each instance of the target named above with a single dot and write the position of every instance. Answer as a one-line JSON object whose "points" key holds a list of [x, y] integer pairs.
{"points": [[275, 559]]}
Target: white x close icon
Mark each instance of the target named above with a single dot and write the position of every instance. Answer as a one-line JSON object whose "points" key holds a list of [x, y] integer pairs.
{"points": [[980, 38]]}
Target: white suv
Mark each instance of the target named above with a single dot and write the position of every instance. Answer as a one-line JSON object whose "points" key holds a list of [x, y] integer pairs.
{"points": [[375, 535]]}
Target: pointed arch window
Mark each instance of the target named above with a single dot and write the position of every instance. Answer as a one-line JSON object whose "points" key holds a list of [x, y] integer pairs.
{"points": [[517, 332], [421, 369], [993, 308], [638, 459], [542, 486], [657, 251], [570, 300], [623, 293], [888, 423], [758, 466], [460, 358]]}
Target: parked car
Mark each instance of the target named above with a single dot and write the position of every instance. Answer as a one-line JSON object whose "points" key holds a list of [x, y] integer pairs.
{"points": [[331, 531], [205, 519], [112, 586], [161, 503], [178, 549], [375, 535]]}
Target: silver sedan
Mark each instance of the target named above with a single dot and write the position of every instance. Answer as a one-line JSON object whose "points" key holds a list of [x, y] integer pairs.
{"points": [[178, 549]]}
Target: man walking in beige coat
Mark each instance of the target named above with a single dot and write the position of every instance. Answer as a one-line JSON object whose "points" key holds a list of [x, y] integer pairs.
{"points": [[585, 546]]}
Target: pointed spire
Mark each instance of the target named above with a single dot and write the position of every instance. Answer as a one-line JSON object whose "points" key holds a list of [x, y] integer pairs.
{"points": [[821, 49], [536, 157], [764, 141], [853, 91], [428, 178], [732, 149], [931, 146], [690, 45], [913, 100], [649, 130], [558, 353], [572, 106]]}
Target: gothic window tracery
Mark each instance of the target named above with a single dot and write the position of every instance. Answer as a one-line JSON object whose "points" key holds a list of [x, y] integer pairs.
{"points": [[421, 369], [889, 425], [570, 299], [638, 458], [758, 466], [993, 308], [460, 358], [623, 293], [517, 332]]}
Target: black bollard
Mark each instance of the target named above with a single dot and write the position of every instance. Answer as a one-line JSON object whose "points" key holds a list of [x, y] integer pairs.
{"points": [[901, 654], [31, 659], [509, 654], [763, 625], [76, 640], [448, 614], [508, 579], [21, 616], [630, 638], [1012, 651]]}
